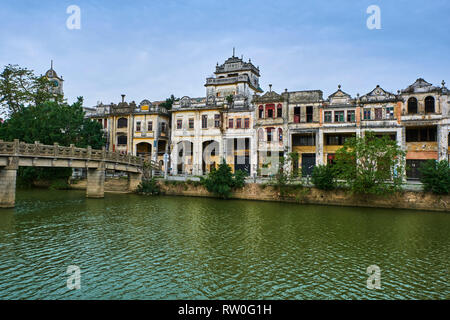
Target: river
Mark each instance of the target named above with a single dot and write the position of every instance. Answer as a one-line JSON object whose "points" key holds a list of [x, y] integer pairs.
{"points": [[135, 247]]}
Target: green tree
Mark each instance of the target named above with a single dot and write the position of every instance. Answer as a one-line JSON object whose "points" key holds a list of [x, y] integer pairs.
{"points": [[435, 176], [370, 165], [222, 181], [20, 87], [169, 102], [48, 123], [323, 177]]}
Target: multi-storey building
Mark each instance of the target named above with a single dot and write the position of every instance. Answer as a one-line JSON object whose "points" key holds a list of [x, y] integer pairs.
{"points": [[142, 129], [218, 126], [250, 131]]}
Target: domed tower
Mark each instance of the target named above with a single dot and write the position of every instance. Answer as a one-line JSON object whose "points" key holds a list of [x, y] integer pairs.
{"points": [[57, 82]]}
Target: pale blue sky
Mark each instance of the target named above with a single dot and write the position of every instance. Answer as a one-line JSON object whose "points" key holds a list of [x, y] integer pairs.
{"points": [[151, 49]]}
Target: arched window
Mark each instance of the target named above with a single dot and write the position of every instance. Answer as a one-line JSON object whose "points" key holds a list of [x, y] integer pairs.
{"points": [[279, 111], [280, 134], [429, 104], [122, 140], [122, 123], [261, 112], [412, 105]]}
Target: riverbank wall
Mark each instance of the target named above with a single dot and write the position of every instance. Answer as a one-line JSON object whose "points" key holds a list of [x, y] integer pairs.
{"points": [[308, 195], [415, 200]]}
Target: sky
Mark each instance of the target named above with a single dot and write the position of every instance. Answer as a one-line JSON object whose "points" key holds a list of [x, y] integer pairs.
{"points": [[152, 49]]}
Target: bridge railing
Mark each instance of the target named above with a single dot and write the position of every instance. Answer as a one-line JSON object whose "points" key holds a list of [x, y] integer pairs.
{"points": [[56, 151]]}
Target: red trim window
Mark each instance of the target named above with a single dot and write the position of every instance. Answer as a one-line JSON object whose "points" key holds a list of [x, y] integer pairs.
{"points": [[247, 123], [179, 124], [270, 111], [230, 123], [238, 123], [280, 134], [261, 112], [279, 111]]}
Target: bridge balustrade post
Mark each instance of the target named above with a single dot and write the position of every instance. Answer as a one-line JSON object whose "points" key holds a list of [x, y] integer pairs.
{"points": [[8, 176], [89, 152], [72, 150], [55, 149], [36, 148], [96, 182], [16, 146]]}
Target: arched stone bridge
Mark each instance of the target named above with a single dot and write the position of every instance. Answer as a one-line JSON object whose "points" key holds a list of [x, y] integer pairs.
{"points": [[19, 154]]}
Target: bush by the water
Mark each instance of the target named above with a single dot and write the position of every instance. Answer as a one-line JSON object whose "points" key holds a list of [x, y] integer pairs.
{"points": [[222, 181], [436, 176], [323, 177], [148, 187]]}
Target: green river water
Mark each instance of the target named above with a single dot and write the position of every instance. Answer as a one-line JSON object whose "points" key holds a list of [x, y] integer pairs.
{"points": [[136, 247]]}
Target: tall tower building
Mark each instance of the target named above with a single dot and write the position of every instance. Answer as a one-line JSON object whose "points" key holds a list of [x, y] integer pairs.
{"points": [[57, 82], [235, 78]]}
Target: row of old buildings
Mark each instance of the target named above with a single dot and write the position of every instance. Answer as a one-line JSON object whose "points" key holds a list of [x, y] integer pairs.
{"points": [[251, 129]]}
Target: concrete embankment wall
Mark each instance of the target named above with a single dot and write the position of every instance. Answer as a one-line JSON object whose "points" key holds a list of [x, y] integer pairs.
{"points": [[401, 200]]}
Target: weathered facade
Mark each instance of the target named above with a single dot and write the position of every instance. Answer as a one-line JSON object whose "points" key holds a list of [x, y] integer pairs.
{"points": [[251, 131], [142, 130]]}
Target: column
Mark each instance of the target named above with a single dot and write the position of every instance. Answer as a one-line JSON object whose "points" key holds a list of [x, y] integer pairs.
{"points": [[134, 179], [96, 182], [7, 187]]}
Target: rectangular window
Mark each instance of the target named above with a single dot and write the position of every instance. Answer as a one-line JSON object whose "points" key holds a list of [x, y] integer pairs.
{"points": [[296, 114], [150, 126], [238, 123], [351, 116], [336, 139], [378, 113], [247, 123], [204, 121], [304, 140], [327, 116], [217, 121], [230, 123], [105, 123], [366, 114], [269, 135], [279, 112], [138, 126], [270, 113], [390, 113], [309, 114], [191, 123], [163, 127], [179, 124], [339, 116]]}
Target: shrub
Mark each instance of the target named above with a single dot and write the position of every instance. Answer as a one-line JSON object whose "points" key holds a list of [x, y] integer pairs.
{"points": [[370, 165], [222, 181], [436, 176], [323, 177], [148, 187]]}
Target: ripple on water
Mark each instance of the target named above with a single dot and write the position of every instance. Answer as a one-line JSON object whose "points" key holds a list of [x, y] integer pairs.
{"points": [[131, 247]]}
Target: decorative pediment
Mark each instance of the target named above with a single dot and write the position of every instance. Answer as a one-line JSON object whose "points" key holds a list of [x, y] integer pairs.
{"points": [[185, 102], [269, 96], [340, 97], [145, 102], [378, 94], [420, 86]]}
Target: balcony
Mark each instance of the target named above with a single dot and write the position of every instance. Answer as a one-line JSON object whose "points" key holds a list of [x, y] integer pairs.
{"points": [[229, 80]]}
